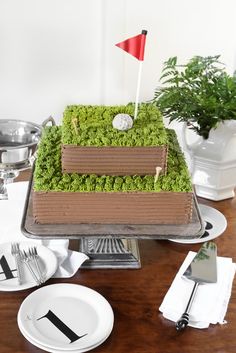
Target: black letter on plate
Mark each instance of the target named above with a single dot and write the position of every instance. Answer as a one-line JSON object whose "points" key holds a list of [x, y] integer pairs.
{"points": [[61, 326], [5, 267]]}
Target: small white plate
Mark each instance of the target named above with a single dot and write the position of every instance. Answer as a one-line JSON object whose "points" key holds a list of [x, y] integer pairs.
{"points": [[51, 350], [8, 272], [215, 223], [66, 317]]}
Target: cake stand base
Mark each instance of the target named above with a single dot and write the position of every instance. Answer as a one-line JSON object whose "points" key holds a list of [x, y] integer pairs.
{"points": [[110, 253]]}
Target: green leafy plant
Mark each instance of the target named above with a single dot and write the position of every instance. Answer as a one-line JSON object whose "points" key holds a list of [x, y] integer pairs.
{"points": [[200, 93]]}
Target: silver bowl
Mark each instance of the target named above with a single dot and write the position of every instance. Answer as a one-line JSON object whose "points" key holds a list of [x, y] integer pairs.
{"points": [[18, 143]]}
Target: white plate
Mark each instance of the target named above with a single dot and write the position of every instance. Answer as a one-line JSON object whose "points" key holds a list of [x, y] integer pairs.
{"points": [[66, 317], [47, 260], [215, 222], [47, 349]]}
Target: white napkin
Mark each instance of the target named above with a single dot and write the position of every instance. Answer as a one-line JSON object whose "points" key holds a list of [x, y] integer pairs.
{"points": [[11, 211], [211, 300]]}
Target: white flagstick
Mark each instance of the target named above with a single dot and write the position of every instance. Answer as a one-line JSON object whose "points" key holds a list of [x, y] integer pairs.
{"points": [[138, 89]]}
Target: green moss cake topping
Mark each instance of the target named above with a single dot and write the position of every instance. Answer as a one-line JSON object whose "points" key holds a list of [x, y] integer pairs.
{"points": [[92, 126], [48, 175]]}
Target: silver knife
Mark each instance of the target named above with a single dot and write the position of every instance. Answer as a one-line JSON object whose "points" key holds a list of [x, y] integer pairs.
{"points": [[203, 269]]}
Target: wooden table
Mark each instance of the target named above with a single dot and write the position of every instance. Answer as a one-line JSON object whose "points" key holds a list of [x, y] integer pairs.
{"points": [[135, 296]]}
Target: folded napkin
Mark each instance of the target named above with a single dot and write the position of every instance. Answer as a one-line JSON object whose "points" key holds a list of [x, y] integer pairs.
{"points": [[11, 211], [211, 300]]}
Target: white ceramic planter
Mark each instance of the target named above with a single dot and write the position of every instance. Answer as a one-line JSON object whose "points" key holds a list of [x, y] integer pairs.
{"points": [[214, 162]]}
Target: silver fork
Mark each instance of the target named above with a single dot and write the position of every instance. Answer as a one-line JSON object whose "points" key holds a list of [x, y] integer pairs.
{"points": [[27, 260], [15, 251], [33, 254]]}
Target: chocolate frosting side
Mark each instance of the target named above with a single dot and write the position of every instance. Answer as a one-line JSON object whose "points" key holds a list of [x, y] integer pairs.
{"points": [[113, 160], [112, 207]]}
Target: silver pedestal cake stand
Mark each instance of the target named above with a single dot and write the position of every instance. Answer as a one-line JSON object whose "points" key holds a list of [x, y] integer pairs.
{"points": [[109, 245]]}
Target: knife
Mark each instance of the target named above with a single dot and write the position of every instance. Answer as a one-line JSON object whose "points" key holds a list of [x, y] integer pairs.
{"points": [[203, 269]]}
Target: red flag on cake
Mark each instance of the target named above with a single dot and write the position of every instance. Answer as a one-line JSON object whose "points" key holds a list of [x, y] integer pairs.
{"points": [[135, 45]]}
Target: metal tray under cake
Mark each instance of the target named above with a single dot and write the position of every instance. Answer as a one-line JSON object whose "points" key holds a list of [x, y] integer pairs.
{"points": [[30, 229]]}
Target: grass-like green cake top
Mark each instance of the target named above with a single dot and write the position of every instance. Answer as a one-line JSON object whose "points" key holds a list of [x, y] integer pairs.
{"points": [[48, 175], [87, 125]]}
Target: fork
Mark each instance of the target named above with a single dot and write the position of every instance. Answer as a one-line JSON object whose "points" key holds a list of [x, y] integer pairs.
{"points": [[15, 251], [27, 260], [33, 255]]}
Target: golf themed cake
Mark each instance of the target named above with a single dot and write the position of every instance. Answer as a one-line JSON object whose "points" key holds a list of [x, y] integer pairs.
{"points": [[112, 165], [89, 170]]}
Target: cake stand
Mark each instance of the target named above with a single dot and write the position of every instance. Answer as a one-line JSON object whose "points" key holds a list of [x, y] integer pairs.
{"points": [[109, 245]]}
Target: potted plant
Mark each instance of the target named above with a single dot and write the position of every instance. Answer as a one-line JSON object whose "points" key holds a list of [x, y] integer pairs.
{"points": [[202, 94]]}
